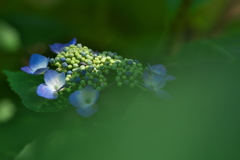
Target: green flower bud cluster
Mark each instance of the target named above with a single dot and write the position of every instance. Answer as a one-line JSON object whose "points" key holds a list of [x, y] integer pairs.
{"points": [[85, 67], [128, 72]]}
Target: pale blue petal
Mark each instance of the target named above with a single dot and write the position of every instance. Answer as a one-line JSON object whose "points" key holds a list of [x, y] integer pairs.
{"points": [[147, 86], [87, 97], [163, 94], [40, 70], [54, 79], [158, 69], [91, 94], [170, 78], [38, 61], [46, 91], [27, 69], [72, 42], [61, 80], [87, 111], [158, 81], [147, 78], [57, 47], [76, 99]]}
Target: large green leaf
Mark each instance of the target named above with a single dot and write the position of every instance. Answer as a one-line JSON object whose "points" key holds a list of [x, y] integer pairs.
{"points": [[25, 86]]}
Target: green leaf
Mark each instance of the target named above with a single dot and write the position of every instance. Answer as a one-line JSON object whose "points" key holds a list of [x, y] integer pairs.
{"points": [[25, 86]]}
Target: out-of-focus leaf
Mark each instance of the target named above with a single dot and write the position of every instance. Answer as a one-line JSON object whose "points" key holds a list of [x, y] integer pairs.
{"points": [[25, 86], [9, 37], [7, 110], [204, 14]]}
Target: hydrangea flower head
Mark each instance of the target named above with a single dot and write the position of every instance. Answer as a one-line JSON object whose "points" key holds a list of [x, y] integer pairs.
{"points": [[58, 47], [79, 73], [38, 64], [84, 100], [54, 81]]}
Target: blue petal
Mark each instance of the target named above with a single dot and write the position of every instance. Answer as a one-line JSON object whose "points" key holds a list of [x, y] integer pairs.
{"points": [[170, 78], [72, 42], [87, 111], [27, 69], [76, 99], [87, 97], [153, 81], [54, 79], [38, 61], [89, 93], [40, 70], [158, 69], [163, 94], [57, 47], [158, 81], [46, 91], [147, 78]]}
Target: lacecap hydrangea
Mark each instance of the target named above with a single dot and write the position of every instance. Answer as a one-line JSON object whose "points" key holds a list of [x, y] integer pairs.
{"points": [[83, 73]]}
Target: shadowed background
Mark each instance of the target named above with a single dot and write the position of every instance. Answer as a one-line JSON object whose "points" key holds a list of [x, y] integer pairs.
{"points": [[197, 40]]}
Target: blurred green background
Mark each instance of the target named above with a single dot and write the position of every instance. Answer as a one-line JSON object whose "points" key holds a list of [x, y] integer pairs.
{"points": [[197, 40]]}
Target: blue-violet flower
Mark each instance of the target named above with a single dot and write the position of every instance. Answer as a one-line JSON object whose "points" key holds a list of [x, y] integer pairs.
{"points": [[155, 83], [54, 81], [84, 100], [38, 64]]}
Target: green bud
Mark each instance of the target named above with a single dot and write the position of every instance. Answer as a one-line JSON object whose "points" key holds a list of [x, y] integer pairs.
{"points": [[124, 77], [80, 88], [70, 66], [57, 59], [57, 64], [94, 85], [71, 55], [119, 84], [82, 82], [59, 69], [106, 71], [67, 79], [91, 77], [127, 67], [68, 60], [135, 81], [73, 84], [120, 73], [139, 65], [89, 82], [99, 89], [79, 57], [135, 74], [114, 68], [101, 76], [118, 78], [69, 90], [132, 85], [104, 84], [82, 67], [75, 65]]}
